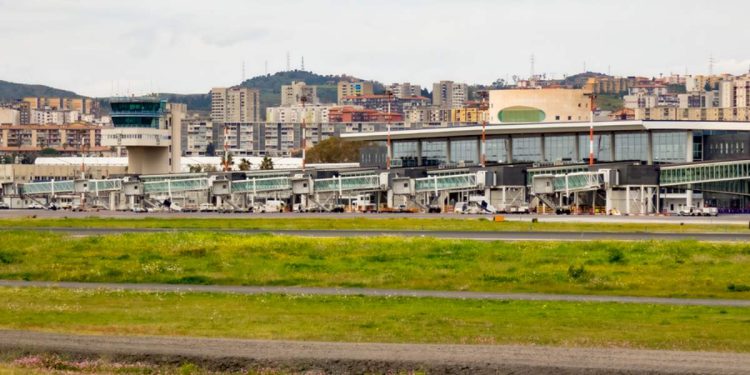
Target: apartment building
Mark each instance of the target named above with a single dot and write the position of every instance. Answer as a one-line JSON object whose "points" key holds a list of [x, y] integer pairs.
{"points": [[346, 88], [384, 103], [10, 116], [405, 90], [71, 138], [235, 104], [292, 94], [240, 139], [48, 116], [197, 134], [693, 114], [449, 94], [358, 114], [297, 113], [609, 85], [80, 105]]}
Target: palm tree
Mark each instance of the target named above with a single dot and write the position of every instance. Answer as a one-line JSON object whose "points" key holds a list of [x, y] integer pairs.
{"points": [[266, 163], [244, 164]]}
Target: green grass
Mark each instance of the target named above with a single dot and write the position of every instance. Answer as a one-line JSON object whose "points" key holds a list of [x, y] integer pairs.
{"points": [[650, 268], [376, 319], [365, 223]]}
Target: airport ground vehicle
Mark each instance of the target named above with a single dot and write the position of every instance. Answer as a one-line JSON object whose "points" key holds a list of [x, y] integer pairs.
{"points": [[695, 211]]}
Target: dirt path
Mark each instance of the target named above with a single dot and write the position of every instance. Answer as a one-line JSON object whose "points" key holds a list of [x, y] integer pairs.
{"points": [[377, 292], [228, 354]]}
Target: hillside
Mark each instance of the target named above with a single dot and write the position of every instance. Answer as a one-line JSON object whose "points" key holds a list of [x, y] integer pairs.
{"points": [[195, 102], [13, 91], [270, 85]]}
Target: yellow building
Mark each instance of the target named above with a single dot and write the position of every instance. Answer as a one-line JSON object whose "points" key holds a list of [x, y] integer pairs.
{"points": [[538, 105], [471, 115], [608, 85]]}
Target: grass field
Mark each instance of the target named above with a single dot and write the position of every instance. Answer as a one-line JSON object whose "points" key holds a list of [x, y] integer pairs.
{"points": [[367, 223], [654, 268], [377, 319]]}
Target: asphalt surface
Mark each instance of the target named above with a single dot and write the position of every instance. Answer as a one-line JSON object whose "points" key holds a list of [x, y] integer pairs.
{"points": [[737, 219], [464, 235], [315, 291], [328, 357]]}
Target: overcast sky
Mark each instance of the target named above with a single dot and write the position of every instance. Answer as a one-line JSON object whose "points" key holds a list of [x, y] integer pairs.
{"points": [[106, 47]]}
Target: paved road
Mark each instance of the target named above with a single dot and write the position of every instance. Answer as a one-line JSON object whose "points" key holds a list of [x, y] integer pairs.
{"points": [[377, 292], [232, 354], [722, 219], [468, 235]]}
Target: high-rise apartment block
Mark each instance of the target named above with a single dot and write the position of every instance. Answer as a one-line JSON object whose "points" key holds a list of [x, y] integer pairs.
{"points": [[292, 94], [353, 89], [449, 94], [405, 90], [235, 105]]}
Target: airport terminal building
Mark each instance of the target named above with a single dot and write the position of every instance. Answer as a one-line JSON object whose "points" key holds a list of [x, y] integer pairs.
{"points": [[651, 166]]}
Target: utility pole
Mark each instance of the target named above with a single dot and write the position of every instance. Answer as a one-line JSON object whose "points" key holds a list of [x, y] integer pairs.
{"points": [[484, 107], [592, 97], [226, 148], [388, 93], [303, 140]]}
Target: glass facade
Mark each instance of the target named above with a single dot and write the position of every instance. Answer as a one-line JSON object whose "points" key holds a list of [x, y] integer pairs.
{"points": [[669, 147], [559, 147], [602, 147], [434, 152], [137, 114], [527, 148], [405, 153], [631, 146], [465, 150], [496, 150]]}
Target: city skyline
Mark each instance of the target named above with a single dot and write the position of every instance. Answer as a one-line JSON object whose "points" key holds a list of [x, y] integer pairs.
{"points": [[188, 47]]}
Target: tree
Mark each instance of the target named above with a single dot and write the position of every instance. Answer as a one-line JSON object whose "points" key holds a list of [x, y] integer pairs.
{"points": [[210, 150], [334, 150], [49, 152], [195, 168], [707, 87], [266, 163], [245, 165]]}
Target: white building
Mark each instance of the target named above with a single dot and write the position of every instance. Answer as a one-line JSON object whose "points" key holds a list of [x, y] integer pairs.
{"points": [[235, 104], [292, 94], [296, 113]]}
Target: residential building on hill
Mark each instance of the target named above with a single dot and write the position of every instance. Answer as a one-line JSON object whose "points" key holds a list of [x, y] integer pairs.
{"points": [[449, 94], [292, 94], [235, 104], [346, 88]]}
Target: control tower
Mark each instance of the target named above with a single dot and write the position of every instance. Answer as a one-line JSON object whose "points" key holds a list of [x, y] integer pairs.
{"points": [[150, 130]]}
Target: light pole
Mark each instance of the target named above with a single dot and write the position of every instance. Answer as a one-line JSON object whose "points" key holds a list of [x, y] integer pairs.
{"points": [[388, 94], [484, 107], [303, 141]]}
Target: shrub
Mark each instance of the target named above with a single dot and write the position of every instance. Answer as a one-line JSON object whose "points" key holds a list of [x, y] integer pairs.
{"points": [[578, 273], [616, 256], [738, 287]]}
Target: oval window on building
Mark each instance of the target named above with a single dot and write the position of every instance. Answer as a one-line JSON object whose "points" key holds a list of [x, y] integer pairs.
{"points": [[521, 114]]}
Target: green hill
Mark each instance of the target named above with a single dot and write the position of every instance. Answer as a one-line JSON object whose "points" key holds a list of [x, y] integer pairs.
{"points": [[14, 91], [270, 85]]}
